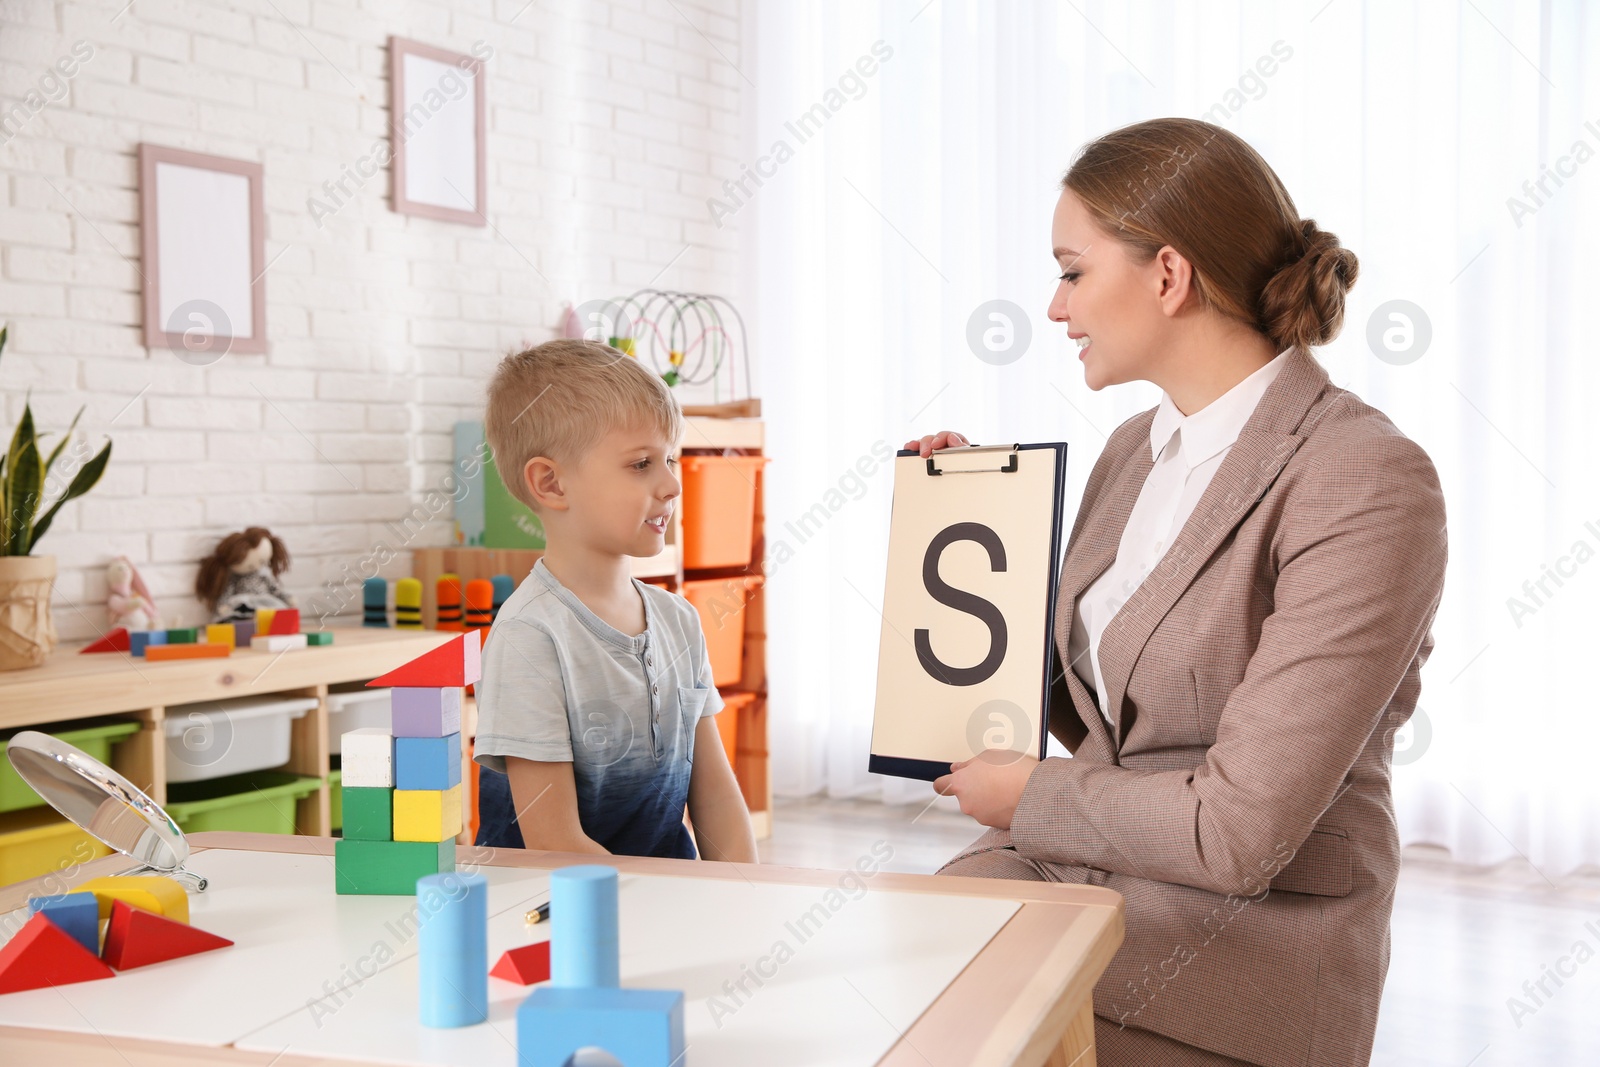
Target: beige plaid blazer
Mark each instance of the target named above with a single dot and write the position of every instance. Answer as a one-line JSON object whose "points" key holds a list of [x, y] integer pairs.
{"points": [[1240, 799]]}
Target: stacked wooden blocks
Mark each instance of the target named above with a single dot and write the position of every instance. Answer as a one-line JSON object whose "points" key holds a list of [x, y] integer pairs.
{"points": [[402, 786]]}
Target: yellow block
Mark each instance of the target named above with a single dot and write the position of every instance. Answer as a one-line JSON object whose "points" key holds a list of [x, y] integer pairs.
{"points": [[220, 634], [427, 814], [152, 892], [264, 619]]}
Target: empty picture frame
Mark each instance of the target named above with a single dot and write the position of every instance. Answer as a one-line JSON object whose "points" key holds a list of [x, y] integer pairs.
{"points": [[436, 124], [203, 238]]}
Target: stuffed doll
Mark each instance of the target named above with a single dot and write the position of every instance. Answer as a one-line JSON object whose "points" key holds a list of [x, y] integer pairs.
{"points": [[129, 603], [241, 575]]}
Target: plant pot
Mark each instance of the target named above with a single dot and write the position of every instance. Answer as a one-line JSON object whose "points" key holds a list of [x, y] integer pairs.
{"points": [[27, 633]]}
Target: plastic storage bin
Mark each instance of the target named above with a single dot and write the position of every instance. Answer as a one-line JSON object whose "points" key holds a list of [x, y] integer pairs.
{"points": [[262, 802], [33, 843], [721, 603], [719, 509], [355, 710], [16, 794], [335, 799], [217, 738], [734, 705]]}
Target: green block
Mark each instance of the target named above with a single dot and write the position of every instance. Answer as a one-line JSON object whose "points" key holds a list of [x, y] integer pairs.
{"points": [[388, 868], [183, 636], [368, 813], [319, 637]]}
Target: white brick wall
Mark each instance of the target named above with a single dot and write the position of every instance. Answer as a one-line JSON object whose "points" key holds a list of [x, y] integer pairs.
{"points": [[609, 123]]}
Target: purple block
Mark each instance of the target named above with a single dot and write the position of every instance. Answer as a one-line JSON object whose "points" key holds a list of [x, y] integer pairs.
{"points": [[243, 631], [430, 712]]}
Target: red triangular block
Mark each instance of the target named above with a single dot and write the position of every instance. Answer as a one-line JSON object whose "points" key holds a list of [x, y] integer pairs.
{"points": [[525, 965], [115, 641], [457, 663], [136, 938], [285, 621], [42, 954]]}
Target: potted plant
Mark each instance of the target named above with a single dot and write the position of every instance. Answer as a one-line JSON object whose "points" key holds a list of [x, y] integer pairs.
{"points": [[27, 633]]}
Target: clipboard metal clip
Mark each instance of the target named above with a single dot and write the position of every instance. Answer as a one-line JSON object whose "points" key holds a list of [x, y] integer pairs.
{"points": [[969, 450]]}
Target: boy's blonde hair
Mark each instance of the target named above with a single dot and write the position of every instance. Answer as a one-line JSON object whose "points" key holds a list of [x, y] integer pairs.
{"points": [[559, 398]]}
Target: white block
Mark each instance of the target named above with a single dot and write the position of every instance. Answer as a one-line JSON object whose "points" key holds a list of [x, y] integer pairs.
{"points": [[367, 758], [277, 642]]}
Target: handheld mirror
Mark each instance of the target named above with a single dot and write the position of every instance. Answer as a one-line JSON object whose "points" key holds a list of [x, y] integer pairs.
{"points": [[104, 803]]}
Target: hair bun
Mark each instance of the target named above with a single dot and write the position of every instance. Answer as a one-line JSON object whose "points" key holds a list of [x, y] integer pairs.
{"points": [[1303, 304]]}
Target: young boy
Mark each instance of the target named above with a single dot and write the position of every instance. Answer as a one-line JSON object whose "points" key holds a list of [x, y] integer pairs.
{"points": [[594, 712]]}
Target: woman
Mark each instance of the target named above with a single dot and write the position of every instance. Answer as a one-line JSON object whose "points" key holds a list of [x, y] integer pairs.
{"points": [[1244, 604]]}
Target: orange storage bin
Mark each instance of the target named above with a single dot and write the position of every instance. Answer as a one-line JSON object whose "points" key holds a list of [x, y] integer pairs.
{"points": [[728, 721], [721, 602], [719, 509]]}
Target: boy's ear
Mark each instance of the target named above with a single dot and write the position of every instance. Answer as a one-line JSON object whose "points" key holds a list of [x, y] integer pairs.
{"points": [[543, 480]]}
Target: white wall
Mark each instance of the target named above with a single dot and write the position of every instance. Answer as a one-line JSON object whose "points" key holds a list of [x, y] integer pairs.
{"points": [[607, 121]]}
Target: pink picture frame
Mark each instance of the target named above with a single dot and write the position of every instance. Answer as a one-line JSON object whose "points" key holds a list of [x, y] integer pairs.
{"points": [[209, 231], [429, 177]]}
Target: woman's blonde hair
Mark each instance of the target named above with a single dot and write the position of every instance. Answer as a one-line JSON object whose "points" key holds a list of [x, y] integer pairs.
{"points": [[1208, 194], [559, 398]]}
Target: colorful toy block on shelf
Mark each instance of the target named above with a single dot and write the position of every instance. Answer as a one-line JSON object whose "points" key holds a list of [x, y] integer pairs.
{"points": [[375, 603], [503, 588], [447, 592], [408, 604], [182, 635], [138, 938], [139, 640], [284, 621], [115, 641], [585, 1006], [402, 786], [480, 604], [222, 633], [42, 954], [525, 965], [156, 653], [278, 642]]}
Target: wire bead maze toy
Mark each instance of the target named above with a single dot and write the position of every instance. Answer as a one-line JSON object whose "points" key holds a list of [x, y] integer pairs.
{"points": [[688, 338]]}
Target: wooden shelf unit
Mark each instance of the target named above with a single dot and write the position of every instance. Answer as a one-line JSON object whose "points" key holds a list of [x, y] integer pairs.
{"points": [[731, 427]]}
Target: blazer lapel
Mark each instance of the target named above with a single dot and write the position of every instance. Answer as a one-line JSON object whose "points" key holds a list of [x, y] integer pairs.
{"points": [[1264, 446]]}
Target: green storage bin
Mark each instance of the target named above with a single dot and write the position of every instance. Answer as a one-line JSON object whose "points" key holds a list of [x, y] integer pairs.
{"points": [[15, 794], [335, 800], [261, 802]]}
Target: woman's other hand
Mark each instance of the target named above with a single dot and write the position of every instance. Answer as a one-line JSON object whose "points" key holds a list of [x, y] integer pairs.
{"points": [[988, 785], [942, 439]]}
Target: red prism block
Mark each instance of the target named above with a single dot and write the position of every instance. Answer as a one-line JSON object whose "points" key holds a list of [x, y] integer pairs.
{"points": [[456, 663], [115, 641], [42, 954], [136, 938], [525, 965], [285, 621]]}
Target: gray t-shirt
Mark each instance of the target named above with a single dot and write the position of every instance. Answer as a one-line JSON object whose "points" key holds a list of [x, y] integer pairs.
{"points": [[561, 684]]}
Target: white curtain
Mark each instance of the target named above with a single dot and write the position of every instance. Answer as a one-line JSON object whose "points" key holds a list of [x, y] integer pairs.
{"points": [[1453, 148]]}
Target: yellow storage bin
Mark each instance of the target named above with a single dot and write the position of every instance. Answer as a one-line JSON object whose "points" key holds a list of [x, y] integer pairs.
{"points": [[38, 841]]}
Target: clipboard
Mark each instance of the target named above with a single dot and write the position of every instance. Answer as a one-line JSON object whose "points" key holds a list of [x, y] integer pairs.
{"points": [[965, 650]]}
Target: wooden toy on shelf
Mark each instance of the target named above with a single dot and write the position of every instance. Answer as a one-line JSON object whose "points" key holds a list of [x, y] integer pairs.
{"points": [[222, 633], [319, 638], [42, 954], [243, 631], [480, 604], [115, 641], [525, 965], [448, 592], [264, 620], [156, 653], [138, 938], [285, 621], [278, 642], [504, 586], [408, 604], [182, 635], [375, 602], [139, 640], [453, 949]]}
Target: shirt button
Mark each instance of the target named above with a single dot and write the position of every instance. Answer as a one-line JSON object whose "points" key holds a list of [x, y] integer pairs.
{"points": [[655, 689]]}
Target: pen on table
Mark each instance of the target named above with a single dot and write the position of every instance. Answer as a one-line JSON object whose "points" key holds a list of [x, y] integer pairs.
{"points": [[537, 915]]}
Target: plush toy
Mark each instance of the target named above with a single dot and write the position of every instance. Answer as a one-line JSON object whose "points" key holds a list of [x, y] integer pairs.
{"points": [[241, 575], [129, 603]]}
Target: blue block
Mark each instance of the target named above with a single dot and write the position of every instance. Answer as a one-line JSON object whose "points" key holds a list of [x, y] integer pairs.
{"points": [[583, 937], [139, 640], [427, 762], [639, 1027], [375, 602], [77, 914], [453, 948], [503, 588]]}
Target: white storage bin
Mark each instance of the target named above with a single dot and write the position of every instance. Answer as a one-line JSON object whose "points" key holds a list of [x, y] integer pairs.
{"points": [[220, 737], [354, 711]]}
